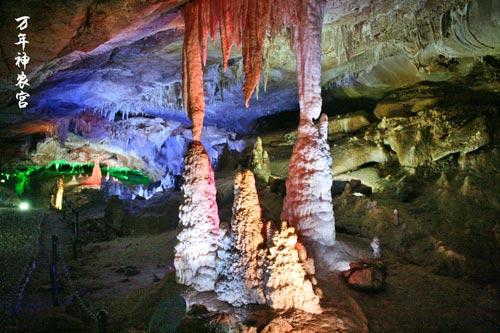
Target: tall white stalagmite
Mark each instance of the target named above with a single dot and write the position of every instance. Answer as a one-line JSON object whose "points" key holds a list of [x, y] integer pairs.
{"points": [[308, 202], [258, 270], [196, 250], [242, 274]]}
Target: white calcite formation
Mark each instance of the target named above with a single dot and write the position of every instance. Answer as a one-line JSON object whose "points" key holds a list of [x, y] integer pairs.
{"points": [[196, 250], [308, 201], [287, 283], [242, 273], [270, 268]]}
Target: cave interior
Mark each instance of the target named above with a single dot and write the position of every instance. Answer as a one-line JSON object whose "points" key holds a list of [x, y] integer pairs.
{"points": [[249, 166]]}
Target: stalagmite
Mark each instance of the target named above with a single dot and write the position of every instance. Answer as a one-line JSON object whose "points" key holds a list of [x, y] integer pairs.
{"points": [[259, 163], [308, 202], [95, 180], [242, 280], [56, 199], [196, 250], [260, 265], [287, 284]]}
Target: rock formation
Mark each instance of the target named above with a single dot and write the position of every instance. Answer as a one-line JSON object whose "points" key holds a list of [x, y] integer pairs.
{"points": [[308, 202], [259, 163], [355, 153], [430, 135], [268, 269], [196, 250], [287, 285], [242, 275], [56, 199]]}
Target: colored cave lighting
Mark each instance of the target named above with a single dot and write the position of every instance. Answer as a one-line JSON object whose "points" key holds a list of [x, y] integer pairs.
{"points": [[22, 175], [24, 205], [126, 175]]}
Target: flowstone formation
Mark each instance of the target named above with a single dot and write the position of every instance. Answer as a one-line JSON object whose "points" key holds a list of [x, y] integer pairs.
{"points": [[242, 273], [308, 202], [196, 250], [270, 268]]}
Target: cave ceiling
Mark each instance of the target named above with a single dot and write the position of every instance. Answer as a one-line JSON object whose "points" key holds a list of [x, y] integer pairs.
{"points": [[124, 57]]}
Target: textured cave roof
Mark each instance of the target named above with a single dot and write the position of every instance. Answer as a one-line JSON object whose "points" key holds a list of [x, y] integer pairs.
{"points": [[124, 55]]}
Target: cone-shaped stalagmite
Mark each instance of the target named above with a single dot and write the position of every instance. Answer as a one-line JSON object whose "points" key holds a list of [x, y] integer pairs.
{"points": [[196, 250], [256, 270], [242, 275], [308, 202]]}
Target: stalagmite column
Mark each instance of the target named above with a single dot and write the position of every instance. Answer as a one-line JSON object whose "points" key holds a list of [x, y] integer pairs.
{"points": [[196, 250], [242, 280], [308, 202]]}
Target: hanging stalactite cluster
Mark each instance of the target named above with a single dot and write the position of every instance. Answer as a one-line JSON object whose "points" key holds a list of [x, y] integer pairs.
{"points": [[241, 23]]}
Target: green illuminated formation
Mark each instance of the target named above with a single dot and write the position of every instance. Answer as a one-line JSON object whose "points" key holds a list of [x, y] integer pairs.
{"points": [[23, 177], [23, 174], [126, 175]]}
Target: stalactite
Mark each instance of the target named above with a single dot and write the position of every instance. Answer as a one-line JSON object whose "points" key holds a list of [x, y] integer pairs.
{"points": [[307, 42], [244, 23], [192, 69], [256, 22]]}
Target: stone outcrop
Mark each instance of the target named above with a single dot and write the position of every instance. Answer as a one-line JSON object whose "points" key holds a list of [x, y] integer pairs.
{"points": [[196, 250], [354, 153], [369, 176], [368, 276], [431, 135], [308, 201], [348, 123]]}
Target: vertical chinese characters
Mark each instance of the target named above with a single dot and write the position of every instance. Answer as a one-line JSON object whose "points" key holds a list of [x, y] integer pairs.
{"points": [[22, 59]]}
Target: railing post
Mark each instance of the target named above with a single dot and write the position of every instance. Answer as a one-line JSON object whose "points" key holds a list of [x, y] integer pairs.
{"points": [[102, 321], [76, 236], [54, 277]]}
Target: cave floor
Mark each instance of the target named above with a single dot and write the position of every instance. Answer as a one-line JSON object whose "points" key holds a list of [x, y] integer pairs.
{"points": [[130, 276]]}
